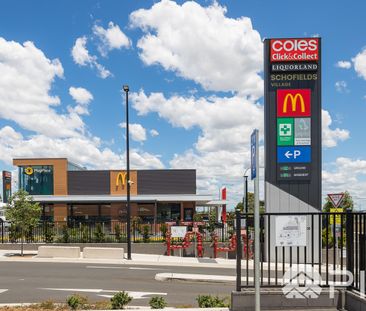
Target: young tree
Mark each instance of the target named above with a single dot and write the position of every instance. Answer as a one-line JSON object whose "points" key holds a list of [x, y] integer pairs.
{"points": [[23, 213]]}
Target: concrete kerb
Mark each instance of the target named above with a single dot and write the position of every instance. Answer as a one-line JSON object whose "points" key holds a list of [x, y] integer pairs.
{"points": [[58, 251], [103, 253]]}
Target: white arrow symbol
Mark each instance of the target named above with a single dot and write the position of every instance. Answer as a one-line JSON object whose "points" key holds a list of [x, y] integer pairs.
{"points": [[288, 154]]}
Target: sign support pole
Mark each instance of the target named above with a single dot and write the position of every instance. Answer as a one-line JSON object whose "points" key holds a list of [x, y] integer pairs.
{"points": [[256, 222]]}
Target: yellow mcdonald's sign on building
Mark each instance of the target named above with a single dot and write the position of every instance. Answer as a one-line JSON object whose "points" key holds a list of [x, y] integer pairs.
{"points": [[121, 179], [293, 100], [293, 103]]}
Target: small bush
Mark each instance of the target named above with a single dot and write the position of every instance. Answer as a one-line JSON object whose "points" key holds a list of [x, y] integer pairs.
{"points": [[65, 234], [49, 233], [118, 233], [85, 234], [99, 235], [157, 303], [76, 302], [208, 301], [164, 230], [120, 300], [146, 233]]}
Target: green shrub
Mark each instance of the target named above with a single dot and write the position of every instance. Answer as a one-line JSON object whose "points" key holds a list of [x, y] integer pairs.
{"points": [[163, 230], [65, 234], [84, 234], [157, 303], [208, 301], [117, 232], [99, 235], [29, 234], [120, 300], [49, 233], [146, 233], [14, 234], [76, 302]]}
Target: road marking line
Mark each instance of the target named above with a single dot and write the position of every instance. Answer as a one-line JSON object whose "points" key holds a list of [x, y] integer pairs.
{"points": [[3, 290], [86, 290], [104, 267], [152, 269], [133, 294]]}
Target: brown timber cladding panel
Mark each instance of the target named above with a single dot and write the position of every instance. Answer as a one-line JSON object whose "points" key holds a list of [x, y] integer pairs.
{"points": [[60, 212], [59, 171], [88, 182], [167, 181], [119, 189]]}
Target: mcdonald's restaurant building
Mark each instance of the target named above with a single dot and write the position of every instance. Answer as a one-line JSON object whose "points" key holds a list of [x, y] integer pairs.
{"points": [[68, 192]]}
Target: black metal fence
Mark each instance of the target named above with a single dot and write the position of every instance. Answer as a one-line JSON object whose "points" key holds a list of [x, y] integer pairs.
{"points": [[94, 232], [328, 243]]}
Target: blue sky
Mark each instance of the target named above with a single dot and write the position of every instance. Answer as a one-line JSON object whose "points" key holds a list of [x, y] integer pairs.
{"points": [[195, 76]]}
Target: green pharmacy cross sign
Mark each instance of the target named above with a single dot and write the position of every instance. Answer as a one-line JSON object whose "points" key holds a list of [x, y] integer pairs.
{"points": [[285, 131]]}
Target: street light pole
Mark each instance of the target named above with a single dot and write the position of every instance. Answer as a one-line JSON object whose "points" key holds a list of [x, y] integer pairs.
{"points": [[126, 89]]}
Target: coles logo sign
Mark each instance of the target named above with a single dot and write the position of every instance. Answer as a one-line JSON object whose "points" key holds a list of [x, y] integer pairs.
{"points": [[293, 103], [294, 50]]}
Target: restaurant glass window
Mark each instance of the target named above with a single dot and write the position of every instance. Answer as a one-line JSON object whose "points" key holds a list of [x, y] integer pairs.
{"points": [[36, 179], [168, 212], [188, 214], [47, 212], [146, 212], [89, 213]]}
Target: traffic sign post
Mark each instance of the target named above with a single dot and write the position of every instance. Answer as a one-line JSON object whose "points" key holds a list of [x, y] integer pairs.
{"points": [[254, 169], [336, 199]]}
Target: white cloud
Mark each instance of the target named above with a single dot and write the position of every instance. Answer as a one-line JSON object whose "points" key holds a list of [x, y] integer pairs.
{"points": [[25, 85], [343, 64], [82, 150], [83, 97], [346, 174], [154, 133], [202, 44], [330, 136], [359, 62], [81, 56], [111, 38], [26, 80], [137, 131], [341, 87], [80, 95]]}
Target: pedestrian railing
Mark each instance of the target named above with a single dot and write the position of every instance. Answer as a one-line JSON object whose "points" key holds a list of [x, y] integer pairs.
{"points": [[329, 243], [99, 232]]}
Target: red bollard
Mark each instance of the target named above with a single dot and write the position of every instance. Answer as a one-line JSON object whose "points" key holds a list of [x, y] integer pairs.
{"points": [[199, 245]]}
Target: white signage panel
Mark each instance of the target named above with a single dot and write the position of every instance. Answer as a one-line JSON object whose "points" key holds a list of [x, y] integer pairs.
{"points": [[290, 230], [178, 231]]}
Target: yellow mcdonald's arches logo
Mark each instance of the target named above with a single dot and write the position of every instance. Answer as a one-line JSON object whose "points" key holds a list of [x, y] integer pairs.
{"points": [[121, 179], [293, 99], [28, 170]]}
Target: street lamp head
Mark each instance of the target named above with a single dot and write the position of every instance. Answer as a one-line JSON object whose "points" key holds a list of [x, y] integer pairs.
{"points": [[126, 88]]}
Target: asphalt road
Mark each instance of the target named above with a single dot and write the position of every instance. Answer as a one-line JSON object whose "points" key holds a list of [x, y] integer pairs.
{"points": [[22, 282]]}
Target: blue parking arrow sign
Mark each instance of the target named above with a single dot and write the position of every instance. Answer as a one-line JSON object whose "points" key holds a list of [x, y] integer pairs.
{"points": [[294, 154], [253, 153]]}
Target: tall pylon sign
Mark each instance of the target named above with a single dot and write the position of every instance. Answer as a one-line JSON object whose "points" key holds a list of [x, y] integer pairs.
{"points": [[292, 82]]}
